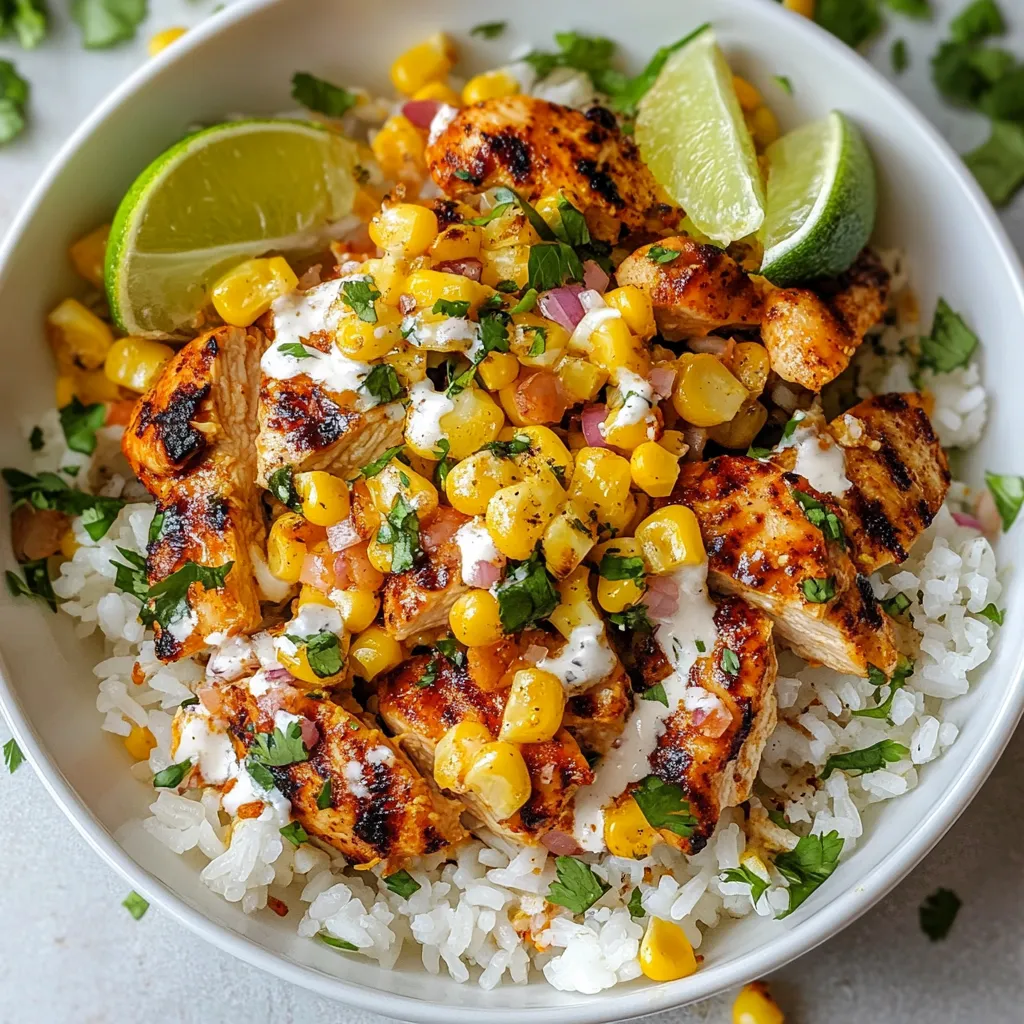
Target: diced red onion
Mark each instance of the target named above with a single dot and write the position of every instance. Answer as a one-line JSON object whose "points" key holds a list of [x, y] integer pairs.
{"points": [[210, 698], [662, 597], [560, 843], [563, 306], [971, 522], [310, 279], [712, 343], [441, 528], [481, 574], [987, 513], [310, 733], [406, 303], [534, 653], [662, 378], [316, 572], [279, 675], [469, 267], [594, 277], [712, 721], [343, 535], [421, 112], [696, 438], [591, 420]]}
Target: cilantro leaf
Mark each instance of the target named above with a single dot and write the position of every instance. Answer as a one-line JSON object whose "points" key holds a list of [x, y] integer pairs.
{"points": [[320, 95], [520, 444], [895, 605], [281, 484], [938, 912], [494, 332], [619, 567], [998, 163], [664, 806], [730, 662], [13, 757], [29, 21], [136, 905], [80, 423], [635, 905], [911, 8], [577, 888], [540, 341], [279, 748], [13, 97], [49, 491], [743, 874], [35, 584], [401, 529], [783, 83], [1004, 101], [373, 468], [1008, 492], [656, 692], [590, 54], [866, 760], [659, 254], [898, 56], [852, 21], [633, 618], [260, 774], [382, 383], [489, 29], [951, 342], [107, 22], [451, 307], [294, 833], [402, 883], [977, 21], [444, 464], [492, 214], [172, 776], [330, 940], [572, 227], [527, 594], [360, 296], [324, 797], [821, 516], [904, 669], [808, 865], [167, 601], [551, 264], [818, 591], [295, 349], [526, 303], [131, 578], [992, 613], [323, 652]]}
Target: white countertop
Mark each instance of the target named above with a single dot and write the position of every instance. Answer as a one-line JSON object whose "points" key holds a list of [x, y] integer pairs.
{"points": [[70, 952]]}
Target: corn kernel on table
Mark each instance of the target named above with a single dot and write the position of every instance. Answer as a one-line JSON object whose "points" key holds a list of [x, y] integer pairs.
{"points": [[70, 952]]}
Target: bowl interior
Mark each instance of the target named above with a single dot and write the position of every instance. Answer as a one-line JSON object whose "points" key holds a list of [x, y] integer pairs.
{"points": [[244, 64]]}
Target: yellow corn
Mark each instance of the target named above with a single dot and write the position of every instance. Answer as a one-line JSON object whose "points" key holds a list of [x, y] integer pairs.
{"points": [[665, 952], [427, 286], [285, 548], [489, 86], [474, 619], [400, 149], [410, 364], [601, 483], [617, 595], [457, 242], [68, 544], [764, 126], [475, 421], [161, 40], [568, 538], [670, 538], [379, 555], [804, 7], [627, 832], [78, 336], [310, 595], [614, 347], [429, 61], [139, 742], [533, 711], [89, 253], [673, 441], [508, 229], [518, 515], [741, 430], [298, 665], [750, 365], [581, 379], [544, 338], [473, 482], [747, 93], [498, 370], [247, 292], [636, 308], [134, 363], [654, 468], [754, 1005], [389, 273], [64, 390], [398, 479], [705, 392], [440, 91], [358, 608], [623, 435], [546, 454], [324, 497], [455, 751], [365, 341], [498, 776], [404, 229], [509, 263], [575, 606], [374, 651]]}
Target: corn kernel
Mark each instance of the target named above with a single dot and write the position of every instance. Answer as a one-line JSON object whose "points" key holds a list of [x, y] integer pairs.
{"points": [[754, 1005], [475, 620], [636, 308], [617, 595], [64, 390], [749, 364], [533, 711], [78, 336], [489, 86], [297, 662], [509, 229], [429, 61], [627, 832], [135, 363], [536, 341], [576, 606], [139, 742], [159, 41], [389, 273], [546, 454], [581, 379], [246, 292], [285, 550], [410, 364], [404, 229], [747, 93], [366, 342], [457, 242], [374, 651], [670, 538], [567, 539], [358, 608], [455, 751], [654, 469], [705, 392], [499, 778], [427, 286], [379, 555], [311, 595], [665, 952], [400, 149], [675, 442], [398, 479], [741, 430], [440, 91], [473, 482], [324, 497], [68, 544], [498, 370], [518, 515], [509, 263], [804, 7], [475, 421], [764, 126], [620, 429], [614, 347], [601, 483], [89, 254]]}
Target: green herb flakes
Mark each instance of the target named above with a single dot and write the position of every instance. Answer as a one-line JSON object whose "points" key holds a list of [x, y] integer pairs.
{"points": [[296, 350], [730, 662], [819, 591], [869, 759], [635, 905], [36, 583], [13, 757], [577, 887], [659, 254], [80, 423], [634, 618], [360, 296], [382, 383], [655, 692], [526, 595], [992, 613], [13, 97], [279, 748], [136, 905], [295, 833], [619, 567], [526, 303], [898, 56], [977, 21], [167, 601], [373, 468], [172, 776], [402, 883], [664, 806], [951, 343], [1008, 492], [281, 484], [321, 96], [852, 21], [743, 874], [489, 29], [324, 797], [808, 865], [401, 529], [106, 23], [551, 265], [451, 307], [323, 652], [330, 940]]}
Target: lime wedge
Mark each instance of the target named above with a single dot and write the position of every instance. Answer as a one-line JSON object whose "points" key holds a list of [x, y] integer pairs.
{"points": [[218, 197], [692, 135], [822, 199]]}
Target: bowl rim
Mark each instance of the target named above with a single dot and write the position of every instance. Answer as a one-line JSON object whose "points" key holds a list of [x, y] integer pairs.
{"points": [[613, 1004]]}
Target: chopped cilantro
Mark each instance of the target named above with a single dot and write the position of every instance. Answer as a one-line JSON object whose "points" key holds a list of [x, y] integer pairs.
{"points": [[489, 29], [131, 578], [852, 21], [35, 584], [938, 912], [294, 833], [295, 349], [382, 383], [540, 343], [360, 297], [1008, 492], [507, 287], [655, 692], [429, 675], [820, 516], [635, 905], [279, 748], [13, 97], [136, 905], [321, 96], [808, 865], [464, 175], [992, 613], [444, 464], [659, 254], [323, 799], [167, 601], [13, 757], [743, 874], [783, 83], [526, 303], [977, 21], [634, 618], [323, 652], [171, 777], [998, 163], [451, 307], [664, 806], [80, 423], [730, 662], [896, 605], [492, 214], [526, 595], [791, 424], [330, 940], [28, 19], [951, 342], [402, 883], [701, 648], [898, 56], [401, 529], [877, 677], [105, 23], [819, 591], [911, 8], [373, 468], [590, 54], [619, 567], [281, 484], [866, 760], [520, 444], [577, 887], [551, 264]]}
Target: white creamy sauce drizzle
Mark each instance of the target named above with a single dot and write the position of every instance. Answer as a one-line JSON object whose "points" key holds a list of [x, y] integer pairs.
{"points": [[455, 334], [426, 407], [231, 659], [312, 618], [352, 773], [638, 401], [692, 622], [184, 626], [592, 319], [584, 661], [476, 545], [821, 461], [270, 587], [283, 719], [444, 117]]}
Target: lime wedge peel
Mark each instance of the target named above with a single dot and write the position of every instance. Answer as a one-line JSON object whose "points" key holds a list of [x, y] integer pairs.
{"points": [[822, 201], [225, 194], [692, 135]]}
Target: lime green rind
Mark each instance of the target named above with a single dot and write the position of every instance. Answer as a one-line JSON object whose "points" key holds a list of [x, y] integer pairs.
{"points": [[824, 241]]}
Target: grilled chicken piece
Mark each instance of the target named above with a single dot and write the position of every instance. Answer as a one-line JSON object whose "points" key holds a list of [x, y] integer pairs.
{"points": [[812, 333], [537, 148], [380, 808], [420, 716], [191, 441], [421, 598], [597, 716], [699, 291], [762, 547], [898, 472], [713, 751]]}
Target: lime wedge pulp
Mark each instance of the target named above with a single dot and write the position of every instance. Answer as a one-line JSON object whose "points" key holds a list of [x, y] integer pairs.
{"points": [[692, 135], [822, 200], [218, 197]]}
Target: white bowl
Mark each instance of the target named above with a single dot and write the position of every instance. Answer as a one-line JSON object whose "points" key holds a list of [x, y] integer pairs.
{"points": [[242, 60]]}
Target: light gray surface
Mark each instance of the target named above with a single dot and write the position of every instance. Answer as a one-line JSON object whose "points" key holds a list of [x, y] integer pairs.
{"points": [[69, 952]]}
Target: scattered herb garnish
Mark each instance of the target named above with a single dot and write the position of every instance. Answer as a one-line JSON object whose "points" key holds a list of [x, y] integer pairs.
{"points": [[401, 529], [820, 516], [540, 341], [170, 777], [80, 423], [279, 748], [938, 912], [818, 591], [13, 97], [323, 799], [992, 613], [526, 595], [895, 605], [444, 463], [360, 297], [898, 56], [633, 618], [625, 98], [877, 677], [294, 833], [660, 254], [330, 940], [551, 265], [35, 584], [621, 567], [977, 21], [295, 349], [526, 303], [655, 692], [105, 23], [1008, 492], [13, 757], [783, 83], [489, 29], [382, 383], [951, 343], [635, 905], [577, 888], [664, 806], [869, 759], [451, 307], [730, 662], [136, 905], [131, 578], [167, 601], [402, 883], [743, 874], [808, 865], [373, 468], [321, 96], [518, 445], [323, 652], [852, 21], [281, 484], [507, 286]]}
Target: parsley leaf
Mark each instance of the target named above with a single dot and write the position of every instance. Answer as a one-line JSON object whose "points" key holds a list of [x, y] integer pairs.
{"points": [[1008, 492], [659, 254], [664, 806], [294, 833], [526, 303], [998, 163], [444, 465], [852, 21], [938, 912], [279, 748], [295, 349], [360, 297], [401, 529], [172, 776], [131, 578], [323, 652], [743, 874], [791, 424], [656, 692], [493, 213], [382, 383], [507, 286], [136, 905], [526, 594], [977, 21], [992, 613], [489, 29], [540, 341], [35, 584], [866, 760], [730, 662], [29, 21], [518, 445], [819, 591], [324, 798], [107, 22], [619, 567], [951, 343], [330, 940], [320, 95], [903, 670], [13, 97], [13, 757], [167, 601], [49, 491], [820, 516], [281, 484], [898, 56], [80, 423], [635, 905], [590, 54], [494, 332], [634, 618], [808, 865], [911, 8], [572, 227], [577, 888], [451, 307], [402, 883], [551, 264], [373, 468]]}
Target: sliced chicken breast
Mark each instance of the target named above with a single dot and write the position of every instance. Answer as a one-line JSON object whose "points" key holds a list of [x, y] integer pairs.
{"points": [[420, 598]]}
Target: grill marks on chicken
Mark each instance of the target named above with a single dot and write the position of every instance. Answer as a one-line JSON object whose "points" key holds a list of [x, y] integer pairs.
{"points": [[537, 147], [191, 441], [421, 598]]}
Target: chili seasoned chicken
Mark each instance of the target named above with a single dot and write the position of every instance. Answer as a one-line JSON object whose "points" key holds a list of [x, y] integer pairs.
{"points": [[191, 441], [699, 291], [761, 546], [539, 148], [812, 333]]}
